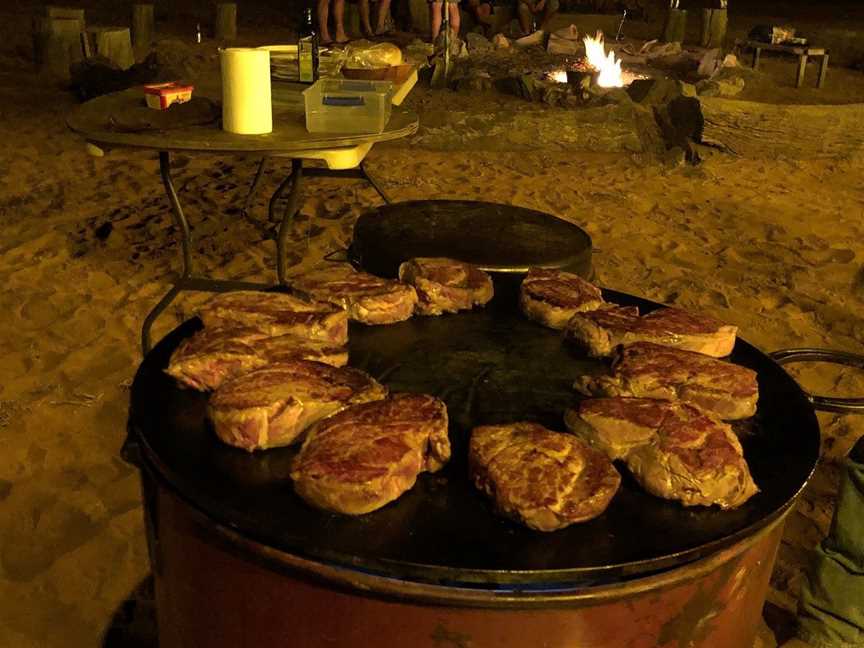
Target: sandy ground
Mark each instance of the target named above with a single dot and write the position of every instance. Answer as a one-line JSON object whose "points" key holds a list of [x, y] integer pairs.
{"points": [[773, 246]]}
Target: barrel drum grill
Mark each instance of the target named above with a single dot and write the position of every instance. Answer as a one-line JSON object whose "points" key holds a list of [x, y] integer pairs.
{"points": [[238, 559]]}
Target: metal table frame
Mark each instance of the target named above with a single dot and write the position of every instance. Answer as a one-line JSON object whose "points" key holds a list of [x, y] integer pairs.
{"points": [[292, 184]]}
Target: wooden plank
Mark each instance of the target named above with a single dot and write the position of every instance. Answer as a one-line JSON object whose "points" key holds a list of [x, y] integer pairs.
{"points": [[802, 69], [142, 26]]}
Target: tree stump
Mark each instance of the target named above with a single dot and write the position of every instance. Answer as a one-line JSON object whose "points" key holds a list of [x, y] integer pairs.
{"points": [[676, 26], [225, 21], [66, 13], [114, 44], [142, 26], [714, 22], [57, 44]]}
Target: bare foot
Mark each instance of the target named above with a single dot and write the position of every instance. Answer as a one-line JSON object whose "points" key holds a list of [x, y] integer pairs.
{"points": [[341, 36]]}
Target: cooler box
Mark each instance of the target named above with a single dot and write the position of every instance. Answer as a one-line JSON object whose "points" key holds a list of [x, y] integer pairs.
{"points": [[348, 106]]}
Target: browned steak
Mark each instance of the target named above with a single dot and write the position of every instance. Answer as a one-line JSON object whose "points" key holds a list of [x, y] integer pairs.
{"points": [[273, 406], [214, 355], [649, 370], [601, 331], [277, 314], [367, 298], [553, 297], [367, 455], [544, 479], [674, 451], [446, 285]]}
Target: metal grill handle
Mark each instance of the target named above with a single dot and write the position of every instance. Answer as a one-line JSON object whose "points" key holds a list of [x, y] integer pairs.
{"points": [[825, 403]]}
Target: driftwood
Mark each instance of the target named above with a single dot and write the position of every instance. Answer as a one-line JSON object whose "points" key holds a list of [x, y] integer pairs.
{"points": [[758, 130], [675, 27], [142, 26], [714, 23], [225, 21]]}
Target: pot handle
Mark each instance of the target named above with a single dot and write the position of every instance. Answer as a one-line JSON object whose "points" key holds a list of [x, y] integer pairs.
{"points": [[825, 403]]}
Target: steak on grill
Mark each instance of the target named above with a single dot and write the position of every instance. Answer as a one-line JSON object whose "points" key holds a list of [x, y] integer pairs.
{"points": [[446, 285], [553, 297], [546, 480], [367, 298], [277, 314], [600, 331], [648, 370], [214, 355], [273, 406], [674, 450], [368, 455]]}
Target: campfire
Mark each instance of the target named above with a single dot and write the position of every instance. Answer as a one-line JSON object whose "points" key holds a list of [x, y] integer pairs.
{"points": [[605, 67]]}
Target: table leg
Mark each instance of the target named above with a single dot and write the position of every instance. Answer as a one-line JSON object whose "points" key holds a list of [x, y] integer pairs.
{"points": [[295, 179], [185, 242], [823, 71], [802, 67], [372, 180], [757, 53], [260, 172]]}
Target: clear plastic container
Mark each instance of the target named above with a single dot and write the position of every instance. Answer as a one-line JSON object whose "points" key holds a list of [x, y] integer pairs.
{"points": [[348, 106]]}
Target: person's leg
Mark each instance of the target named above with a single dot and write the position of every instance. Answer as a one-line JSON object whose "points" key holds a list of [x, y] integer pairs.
{"points": [[549, 12], [436, 20], [455, 18], [525, 17], [365, 26], [323, 15], [339, 20], [831, 607], [383, 12]]}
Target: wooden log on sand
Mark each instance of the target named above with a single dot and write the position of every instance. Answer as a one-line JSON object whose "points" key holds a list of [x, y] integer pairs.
{"points": [[676, 26], [142, 26], [225, 21], [759, 130], [714, 23]]}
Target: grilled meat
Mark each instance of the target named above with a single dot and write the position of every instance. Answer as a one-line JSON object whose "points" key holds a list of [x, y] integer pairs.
{"points": [[446, 285], [367, 298], [277, 314], [674, 450], [544, 479], [368, 455], [553, 297], [214, 355], [649, 370], [600, 331], [273, 406]]}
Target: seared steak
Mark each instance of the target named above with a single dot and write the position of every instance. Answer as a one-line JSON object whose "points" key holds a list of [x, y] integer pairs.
{"points": [[214, 355], [446, 285], [601, 331], [649, 370], [553, 297], [544, 479], [273, 406], [674, 451], [367, 298], [277, 314], [367, 455]]}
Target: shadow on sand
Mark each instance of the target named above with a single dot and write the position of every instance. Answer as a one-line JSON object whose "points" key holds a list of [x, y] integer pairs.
{"points": [[133, 624]]}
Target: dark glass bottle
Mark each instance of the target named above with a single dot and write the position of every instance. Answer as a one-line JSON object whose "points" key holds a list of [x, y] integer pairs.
{"points": [[307, 49]]}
